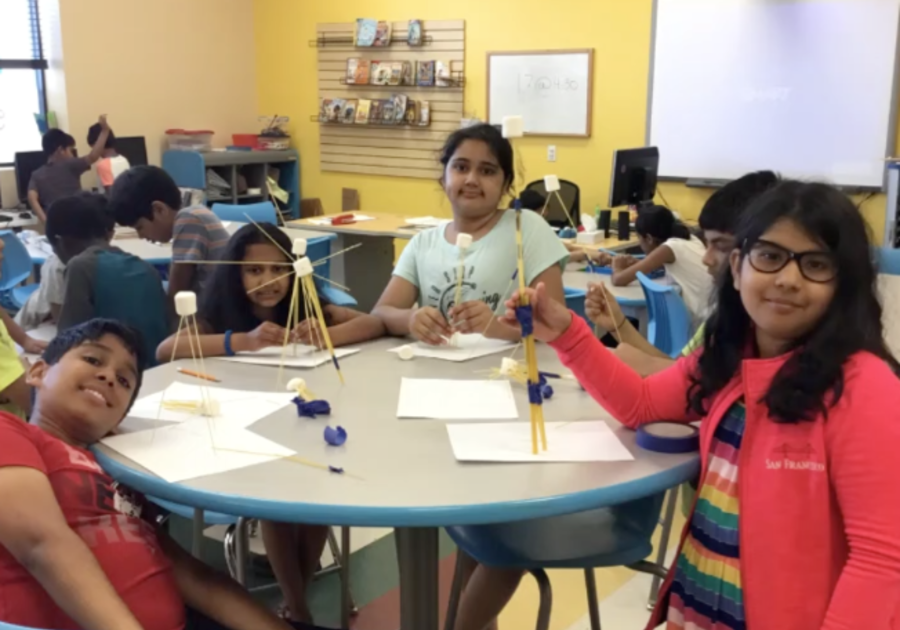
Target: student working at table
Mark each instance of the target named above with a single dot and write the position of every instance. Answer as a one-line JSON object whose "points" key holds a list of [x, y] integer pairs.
{"points": [[61, 175], [796, 391], [478, 173], [245, 308], [147, 199], [77, 549]]}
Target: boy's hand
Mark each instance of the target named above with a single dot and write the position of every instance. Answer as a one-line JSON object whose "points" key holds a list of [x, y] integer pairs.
{"points": [[622, 262], [265, 335], [428, 326], [601, 308], [473, 316], [551, 319], [103, 124], [34, 346]]}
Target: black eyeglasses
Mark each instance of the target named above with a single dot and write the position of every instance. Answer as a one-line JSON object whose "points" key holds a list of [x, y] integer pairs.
{"points": [[767, 257]]}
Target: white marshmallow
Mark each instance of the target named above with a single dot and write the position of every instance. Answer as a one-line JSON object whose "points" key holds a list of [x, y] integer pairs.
{"points": [[508, 366], [296, 385], [453, 341], [405, 352], [513, 126], [464, 241], [299, 248], [551, 183], [302, 267], [186, 303]]}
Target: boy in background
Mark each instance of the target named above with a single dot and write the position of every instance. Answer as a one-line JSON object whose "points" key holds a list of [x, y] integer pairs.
{"points": [[78, 550], [102, 280], [45, 304], [147, 199], [718, 220], [61, 175], [111, 164]]}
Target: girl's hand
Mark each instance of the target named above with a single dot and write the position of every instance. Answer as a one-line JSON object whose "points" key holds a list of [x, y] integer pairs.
{"points": [[600, 259], [34, 346], [601, 308], [551, 319], [265, 335], [310, 333], [473, 316], [428, 326], [622, 262]]}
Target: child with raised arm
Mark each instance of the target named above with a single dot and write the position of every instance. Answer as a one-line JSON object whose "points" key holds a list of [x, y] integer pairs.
{"points": [[797, 397], [78, 550], [419, 299]]}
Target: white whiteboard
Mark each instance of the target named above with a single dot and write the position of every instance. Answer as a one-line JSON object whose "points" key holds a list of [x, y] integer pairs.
{"points": [[803, 87], [551, 90]]}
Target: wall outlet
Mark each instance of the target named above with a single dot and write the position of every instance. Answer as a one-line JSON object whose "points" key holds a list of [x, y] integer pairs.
{"points": [[551, 153]]}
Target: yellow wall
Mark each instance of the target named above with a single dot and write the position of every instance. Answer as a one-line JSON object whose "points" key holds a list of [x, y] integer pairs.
{"points": [[618, 30]]}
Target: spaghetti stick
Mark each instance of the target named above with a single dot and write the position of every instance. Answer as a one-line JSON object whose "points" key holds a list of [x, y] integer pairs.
{"points": [[311, 289], [330, 281], [228, 262], [268, 236], [291, 458], [566, 210], [463, 243], [287, 332], [274, 280], [321, 261]]}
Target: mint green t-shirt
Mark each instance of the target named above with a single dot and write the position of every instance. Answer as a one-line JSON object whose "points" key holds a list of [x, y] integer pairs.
{"points": [[431, 263]]}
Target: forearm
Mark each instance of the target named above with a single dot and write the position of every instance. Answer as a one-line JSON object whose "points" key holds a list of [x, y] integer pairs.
{"points": [[623, 278], [210, 346], [496, 330], [395, 320], [99, 146], [35, 204], [631, 399], [69, 573], [16, 332], [629, 334], [356, 330]]}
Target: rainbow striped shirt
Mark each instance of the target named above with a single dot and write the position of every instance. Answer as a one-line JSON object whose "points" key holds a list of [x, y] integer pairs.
{"points": [[706, 592]]}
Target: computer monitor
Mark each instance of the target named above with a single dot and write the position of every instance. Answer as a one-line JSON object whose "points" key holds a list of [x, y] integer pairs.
{"points": [[27, 163], [634, 177], [133, 148]]}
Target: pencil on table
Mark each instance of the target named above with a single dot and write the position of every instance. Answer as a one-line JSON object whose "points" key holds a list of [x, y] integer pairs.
{"points": [[201, 375]]}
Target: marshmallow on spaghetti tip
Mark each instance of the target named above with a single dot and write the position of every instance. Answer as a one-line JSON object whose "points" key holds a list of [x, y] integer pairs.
{"points": [[303, 267], [186, 303], [463, 241], [551, 183], [299, 247], [513, 127]]}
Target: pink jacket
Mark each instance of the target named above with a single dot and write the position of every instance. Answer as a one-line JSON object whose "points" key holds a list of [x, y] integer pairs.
{"points": [[819, 501]]}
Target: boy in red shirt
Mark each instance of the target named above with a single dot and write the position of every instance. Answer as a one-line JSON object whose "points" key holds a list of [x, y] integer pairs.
{"points": [[76, 549]]}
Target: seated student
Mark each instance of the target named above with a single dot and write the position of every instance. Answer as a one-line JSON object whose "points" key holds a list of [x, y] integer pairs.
{"points": [[799, 439], [61, 175], [77, 549], [102, 280], [45, 304], [478, 172], [718, 220], [668, 243], [111, 164], [147, 199], [245, 308]]}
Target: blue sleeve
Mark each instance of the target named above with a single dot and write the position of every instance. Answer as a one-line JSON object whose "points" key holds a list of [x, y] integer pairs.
{"points": [[407, 267], [542, 246]]}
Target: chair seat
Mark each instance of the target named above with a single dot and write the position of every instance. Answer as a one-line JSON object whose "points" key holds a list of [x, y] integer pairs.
{"points": [[612, 536], [209, 518]]}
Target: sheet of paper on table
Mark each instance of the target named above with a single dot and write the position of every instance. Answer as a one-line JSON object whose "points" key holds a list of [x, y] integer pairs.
{"points": [[446, 399], [470, 347], [511, 442], [196, 448], [299, 356], [327, 221], [424, 222], [238, 408]]}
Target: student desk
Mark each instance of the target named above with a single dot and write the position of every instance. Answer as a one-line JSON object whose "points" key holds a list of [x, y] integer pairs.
{"points": [[409, 478], [367, 269]]}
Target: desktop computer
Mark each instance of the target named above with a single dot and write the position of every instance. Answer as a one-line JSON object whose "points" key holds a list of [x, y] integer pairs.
{"points": [[634, 177]]}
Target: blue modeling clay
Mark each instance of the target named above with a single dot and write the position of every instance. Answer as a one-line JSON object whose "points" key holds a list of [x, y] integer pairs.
{"points": [[312, 408], [335, 435]]}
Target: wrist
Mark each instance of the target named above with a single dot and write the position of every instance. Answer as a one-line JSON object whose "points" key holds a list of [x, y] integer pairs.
{"points": [[240, 342]]}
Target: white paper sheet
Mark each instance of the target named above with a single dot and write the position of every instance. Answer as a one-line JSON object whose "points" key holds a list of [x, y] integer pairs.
{"points": [[445, 399], [425, 222], [470, 347], [183, 451], [239, 408], [511, 442], [327, 221], [306, 356]]}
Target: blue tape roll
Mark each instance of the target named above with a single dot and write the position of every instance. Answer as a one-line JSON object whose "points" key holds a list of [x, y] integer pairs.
{"points": [[668, 437]]}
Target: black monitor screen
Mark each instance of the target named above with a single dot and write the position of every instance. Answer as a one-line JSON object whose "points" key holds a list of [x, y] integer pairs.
{"points": [[134, 149], [634, 177], [26, 163]]}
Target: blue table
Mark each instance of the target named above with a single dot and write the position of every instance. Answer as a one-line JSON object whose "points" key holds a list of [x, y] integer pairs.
{"points": [[404, 472]]}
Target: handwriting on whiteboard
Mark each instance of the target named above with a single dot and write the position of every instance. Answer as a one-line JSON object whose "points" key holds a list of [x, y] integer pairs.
{"points": [[546, 84]]}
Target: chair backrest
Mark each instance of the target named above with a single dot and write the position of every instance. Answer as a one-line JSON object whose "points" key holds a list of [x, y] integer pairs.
{"points": [[17, 265], [669, 326], [571, 196], [575, 301], [262, 212], [888, 260]]}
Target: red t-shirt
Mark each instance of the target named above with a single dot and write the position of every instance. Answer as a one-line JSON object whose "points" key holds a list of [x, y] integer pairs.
{"points": [[106, 516]]}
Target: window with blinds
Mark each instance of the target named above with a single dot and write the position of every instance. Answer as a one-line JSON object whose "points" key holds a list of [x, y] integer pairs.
{"points": [[22, 65]]}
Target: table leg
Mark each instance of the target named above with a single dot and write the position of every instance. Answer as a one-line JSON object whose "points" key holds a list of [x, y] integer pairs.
{"points": [[365, 270], [417, 555]]}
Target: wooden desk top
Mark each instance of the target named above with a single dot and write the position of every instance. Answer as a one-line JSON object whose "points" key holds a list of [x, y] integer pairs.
{"points": [[612, 244], [388, 225]]}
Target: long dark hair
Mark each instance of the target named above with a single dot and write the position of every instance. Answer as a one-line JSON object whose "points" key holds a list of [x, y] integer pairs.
{"points": [[499, 146], [660, 223], [224, 304], [812, 379]]}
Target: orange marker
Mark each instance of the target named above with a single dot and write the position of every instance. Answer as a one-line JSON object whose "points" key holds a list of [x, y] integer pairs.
{"points": [[205, 377]]}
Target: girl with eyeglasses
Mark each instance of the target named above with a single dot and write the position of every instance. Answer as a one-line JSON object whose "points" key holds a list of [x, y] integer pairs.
{"points": [[796, 524]]}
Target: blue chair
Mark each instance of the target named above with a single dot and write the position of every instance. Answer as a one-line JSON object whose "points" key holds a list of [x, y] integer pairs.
{"points": [[888, 260], [316, 249], [16, 269], [575, 302], [669, 326], [262, 212], [606, 537]]}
